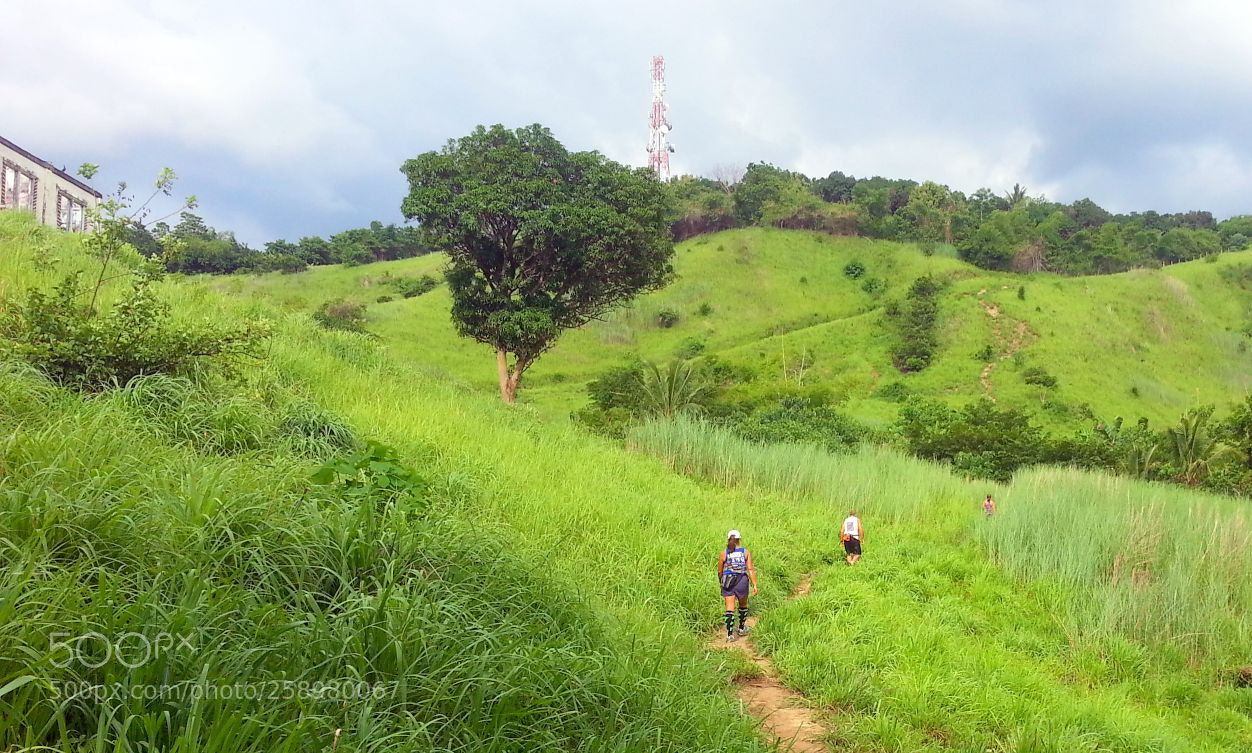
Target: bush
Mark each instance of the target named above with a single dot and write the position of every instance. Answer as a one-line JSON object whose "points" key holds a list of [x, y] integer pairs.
{"points": [[800, 420], [77, 346], [666, 318], [854, 270], [1037, 376], [1021, 292], [928, 248], [985, 353], [980, 439], [895, 392], [411, 287], [874, 286], [691, 347], [341, 314], [705, 309], [915, 323], [384, 299]]}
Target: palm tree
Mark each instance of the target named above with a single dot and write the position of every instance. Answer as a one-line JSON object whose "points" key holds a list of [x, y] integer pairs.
{"points": [[1192, 447], [674, 390], [1016, 196]]}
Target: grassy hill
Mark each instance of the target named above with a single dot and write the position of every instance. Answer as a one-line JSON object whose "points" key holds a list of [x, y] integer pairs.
{"points": [[1147, 343], [551, 590]]}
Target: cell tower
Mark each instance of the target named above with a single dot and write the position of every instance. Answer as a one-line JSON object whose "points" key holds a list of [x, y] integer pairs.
{"points": [[658, 142]]}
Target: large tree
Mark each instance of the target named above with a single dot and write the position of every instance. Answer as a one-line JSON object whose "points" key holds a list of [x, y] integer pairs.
{"points": [[539, 239]]}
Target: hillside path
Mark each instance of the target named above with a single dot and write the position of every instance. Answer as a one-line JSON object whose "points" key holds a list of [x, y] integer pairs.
{"points": [[785, 714], [1010, 345]]}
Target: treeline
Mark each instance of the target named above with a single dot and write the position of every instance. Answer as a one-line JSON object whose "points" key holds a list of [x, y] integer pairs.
{"points": [[1203, 449], [198, 248], [1013, 231]]}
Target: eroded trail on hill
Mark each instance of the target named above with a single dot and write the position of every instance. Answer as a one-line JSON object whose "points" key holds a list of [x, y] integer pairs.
{"points": [[785, 714], [1010, 344]]}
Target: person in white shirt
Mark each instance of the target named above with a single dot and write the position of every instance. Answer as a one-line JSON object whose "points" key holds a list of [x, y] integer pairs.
{"points": [[852, 534]]}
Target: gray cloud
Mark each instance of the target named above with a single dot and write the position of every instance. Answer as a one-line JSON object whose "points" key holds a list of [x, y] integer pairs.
{"points": [[290, 119]]}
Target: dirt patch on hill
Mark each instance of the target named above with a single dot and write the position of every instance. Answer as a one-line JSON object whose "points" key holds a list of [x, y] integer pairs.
{"points": [[1010, 337], [786, 716]]}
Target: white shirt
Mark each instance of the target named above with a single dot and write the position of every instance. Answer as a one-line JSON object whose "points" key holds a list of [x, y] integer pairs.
{"points": [[852, 526]]}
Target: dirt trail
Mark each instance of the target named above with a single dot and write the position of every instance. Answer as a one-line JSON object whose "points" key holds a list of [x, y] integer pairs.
{"points": [[785, 714], [1011, 344]]}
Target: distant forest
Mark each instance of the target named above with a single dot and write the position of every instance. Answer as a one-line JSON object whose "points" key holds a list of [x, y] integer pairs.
{"points": [[1009, 231], [193, 247]]}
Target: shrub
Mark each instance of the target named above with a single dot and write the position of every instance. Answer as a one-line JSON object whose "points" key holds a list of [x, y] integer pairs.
{"points": [[1134, 390], [928, 248], [384, 299], [800, 420], [341, 314], [411, 287], [804, 281], [980, 439], [985, 353], [76, 345], [915, 323], [854, 270], [666, 318], [705, 309], [895, 392], [1021, 292], [874, 286], [1037, 376], [691, 347]]}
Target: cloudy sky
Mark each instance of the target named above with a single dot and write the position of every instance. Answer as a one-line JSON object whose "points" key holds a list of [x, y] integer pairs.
{"points": [[292, 118]]}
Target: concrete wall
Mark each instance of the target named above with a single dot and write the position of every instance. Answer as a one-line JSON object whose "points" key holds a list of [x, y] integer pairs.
{"points": [[52, 189]]}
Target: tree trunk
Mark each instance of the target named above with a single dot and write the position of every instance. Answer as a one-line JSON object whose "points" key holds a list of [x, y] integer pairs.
{"points": [[510, 378], [508, 388]]}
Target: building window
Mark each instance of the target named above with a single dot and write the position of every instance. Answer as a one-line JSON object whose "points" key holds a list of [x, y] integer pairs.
{"points": [[18, 187], [71, 213]]}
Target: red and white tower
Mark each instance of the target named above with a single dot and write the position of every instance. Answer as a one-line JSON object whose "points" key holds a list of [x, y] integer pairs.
{"points": [[658, 141]]}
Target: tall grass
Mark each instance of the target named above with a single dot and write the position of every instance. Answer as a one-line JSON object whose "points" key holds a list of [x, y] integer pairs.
{"points": [[1027, 632], [883, 484], [1162, 564]]}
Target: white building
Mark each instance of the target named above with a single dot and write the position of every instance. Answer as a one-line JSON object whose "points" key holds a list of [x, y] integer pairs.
{"points": [[54, 196]]}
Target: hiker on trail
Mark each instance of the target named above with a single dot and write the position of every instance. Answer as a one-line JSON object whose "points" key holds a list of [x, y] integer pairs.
{"points": [[734, 571], [852, 534], [988, 506]]}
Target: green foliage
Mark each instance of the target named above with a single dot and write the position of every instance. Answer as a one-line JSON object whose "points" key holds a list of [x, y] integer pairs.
{"points": [[76, 345], [915, 323], [895, 392], [800, 420], [341, 314], [985, 354], [980, 440], [411, 287], [1038, 376], [384, 299], [539, 239], [699, 206], [853, 270], [875, 286], [705, 309], [691, 347], [1021, 292], [666, 318], [675, 390], [375, 472]]}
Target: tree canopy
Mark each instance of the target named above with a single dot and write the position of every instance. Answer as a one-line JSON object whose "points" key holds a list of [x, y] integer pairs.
{"points": [[539, 239]]}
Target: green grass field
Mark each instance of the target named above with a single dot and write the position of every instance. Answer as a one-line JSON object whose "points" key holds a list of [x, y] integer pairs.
{"points": [[1145, 343], [556, 591]]}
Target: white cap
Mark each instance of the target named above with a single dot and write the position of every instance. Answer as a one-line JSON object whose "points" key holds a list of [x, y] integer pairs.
{"points": [[733, 534]]}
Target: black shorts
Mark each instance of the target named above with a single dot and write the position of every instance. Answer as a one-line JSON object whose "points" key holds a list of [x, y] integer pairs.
{"points": [[739, 589], [852, 546]]}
